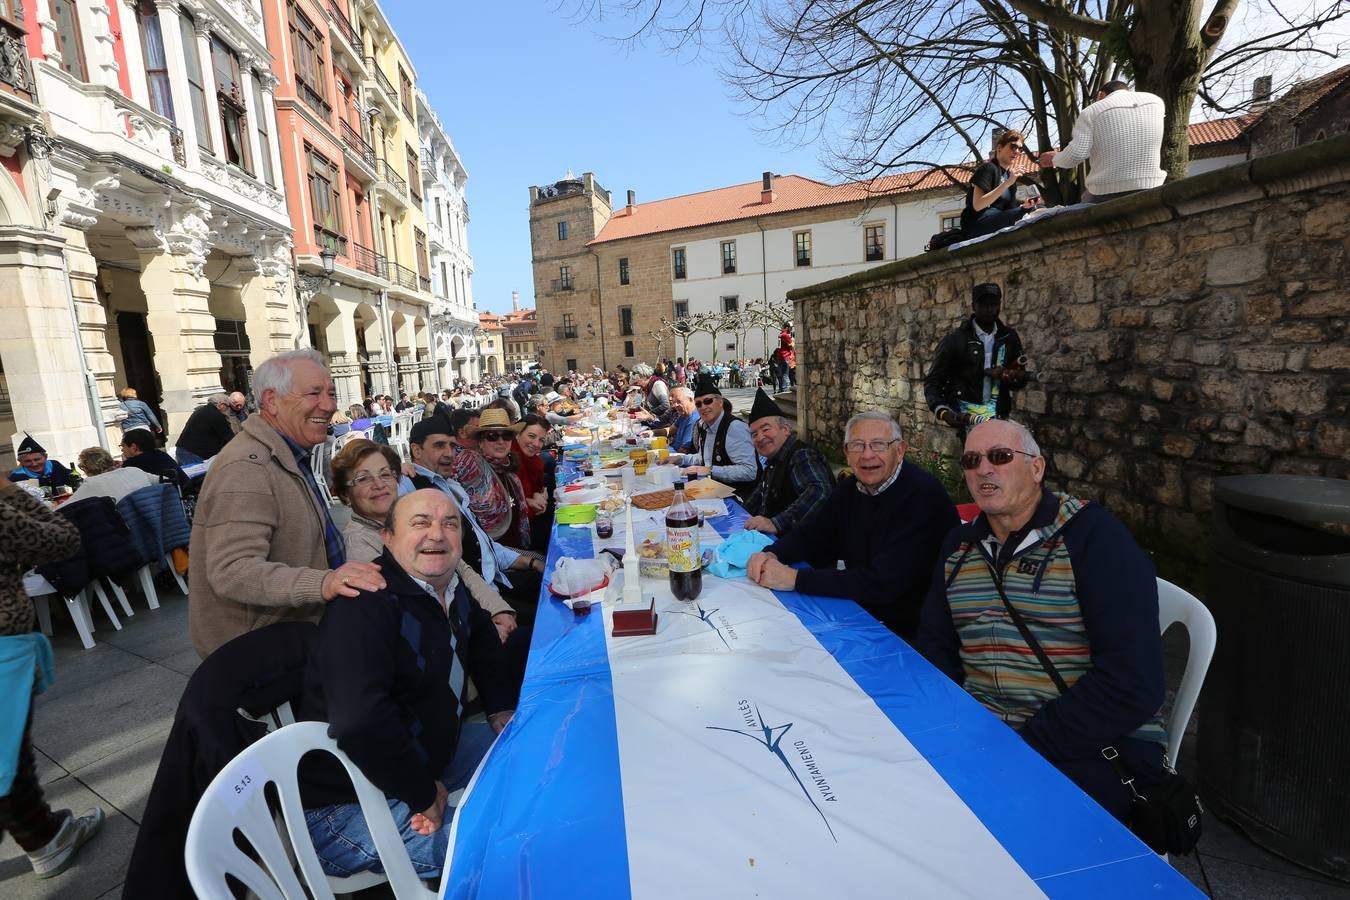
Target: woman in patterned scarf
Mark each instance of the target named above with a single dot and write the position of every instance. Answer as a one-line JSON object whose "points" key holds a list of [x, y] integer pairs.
{"points": [[482, 467]]}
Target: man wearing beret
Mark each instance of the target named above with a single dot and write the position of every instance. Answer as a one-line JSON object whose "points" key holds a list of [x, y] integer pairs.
{"points": [[797, 478]]}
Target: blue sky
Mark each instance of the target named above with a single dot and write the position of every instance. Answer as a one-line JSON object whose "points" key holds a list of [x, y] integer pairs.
{"points": [[526, 94]]}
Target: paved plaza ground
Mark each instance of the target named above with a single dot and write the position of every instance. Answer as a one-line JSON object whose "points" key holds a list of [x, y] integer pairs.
{"points": [[100, 730]]}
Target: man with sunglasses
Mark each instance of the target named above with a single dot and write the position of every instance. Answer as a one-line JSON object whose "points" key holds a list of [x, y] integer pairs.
{"points": [[885, 522], [723, 447], [1086, 594], [977, 367]]}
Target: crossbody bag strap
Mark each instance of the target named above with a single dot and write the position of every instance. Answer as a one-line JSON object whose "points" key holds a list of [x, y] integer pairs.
{"points": [[1109, 753]]}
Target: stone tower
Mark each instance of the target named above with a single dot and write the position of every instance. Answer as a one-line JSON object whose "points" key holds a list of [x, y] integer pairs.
{"points": [[564, 217]]}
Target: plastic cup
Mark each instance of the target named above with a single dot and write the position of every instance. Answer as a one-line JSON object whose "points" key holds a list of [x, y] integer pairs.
{"points": [[660, 443]]}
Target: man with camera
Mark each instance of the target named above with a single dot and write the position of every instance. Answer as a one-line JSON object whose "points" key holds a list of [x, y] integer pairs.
{"points": [[977, 367]]}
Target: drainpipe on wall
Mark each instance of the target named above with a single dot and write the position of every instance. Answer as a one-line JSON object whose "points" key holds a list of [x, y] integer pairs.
{"points": [[895, 230], [600, 300], [387, 334], [90, 383]]}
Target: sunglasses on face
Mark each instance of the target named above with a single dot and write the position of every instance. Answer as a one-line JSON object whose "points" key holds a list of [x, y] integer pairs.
{"points": [[495, 435], [706, 401], [998, 456]]}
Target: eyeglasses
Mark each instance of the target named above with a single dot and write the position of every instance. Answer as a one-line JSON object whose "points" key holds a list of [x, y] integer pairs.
{"points": [[998, 456], [495, 435], [707, 401], [874, 446], [365, 478]]}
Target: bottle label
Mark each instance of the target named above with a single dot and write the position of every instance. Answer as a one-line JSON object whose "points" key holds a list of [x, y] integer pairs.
{"points": [[682, 549]]}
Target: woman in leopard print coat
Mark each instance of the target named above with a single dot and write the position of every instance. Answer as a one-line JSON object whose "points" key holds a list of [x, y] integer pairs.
{"points": [[30, 534]]}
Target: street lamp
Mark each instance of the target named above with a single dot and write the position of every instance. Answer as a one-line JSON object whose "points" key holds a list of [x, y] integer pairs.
{"points": [[328, 255], [310, 284]]}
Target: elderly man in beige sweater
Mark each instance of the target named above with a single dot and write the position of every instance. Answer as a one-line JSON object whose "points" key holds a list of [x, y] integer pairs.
{"points": [[1120, 136], [264, 547]]}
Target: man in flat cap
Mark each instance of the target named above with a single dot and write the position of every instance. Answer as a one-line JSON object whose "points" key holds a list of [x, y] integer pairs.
{"points": [[33, 463], [723, 447], [797, 477], [977, 367]]}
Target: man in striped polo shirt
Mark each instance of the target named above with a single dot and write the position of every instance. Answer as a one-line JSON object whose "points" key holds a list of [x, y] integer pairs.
{"points": [[1084, 591]]}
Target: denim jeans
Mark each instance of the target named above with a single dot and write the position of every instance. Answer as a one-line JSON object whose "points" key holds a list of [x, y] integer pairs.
{"points": [[185, 457], [343, 841]]}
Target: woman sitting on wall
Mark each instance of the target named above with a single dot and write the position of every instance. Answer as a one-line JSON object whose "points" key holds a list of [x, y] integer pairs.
{"points": [[991, 201]]}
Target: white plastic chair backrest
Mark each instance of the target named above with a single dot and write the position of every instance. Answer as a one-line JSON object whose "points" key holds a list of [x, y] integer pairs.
{"points": [[402, 427], [1176, 605], [236, 799]]}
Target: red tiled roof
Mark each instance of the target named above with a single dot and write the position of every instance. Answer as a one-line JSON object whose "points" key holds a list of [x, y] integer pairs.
{"points": [[1307, 94], [1219, 131]]}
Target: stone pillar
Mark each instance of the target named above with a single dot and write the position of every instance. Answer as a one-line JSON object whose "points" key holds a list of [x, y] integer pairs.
{"points": [[246, 63], [268, 318], [131, 46], [98, 39], [343, 362], [170, 25], [93, 319], [203, 25], [48, 393], [268, 82], [179, 316]]}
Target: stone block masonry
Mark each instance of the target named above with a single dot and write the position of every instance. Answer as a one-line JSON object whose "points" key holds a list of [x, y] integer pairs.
{"points": [[1197, 330]]}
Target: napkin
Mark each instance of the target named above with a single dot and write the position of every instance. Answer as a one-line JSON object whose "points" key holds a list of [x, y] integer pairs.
{"points": [[734, 553]]}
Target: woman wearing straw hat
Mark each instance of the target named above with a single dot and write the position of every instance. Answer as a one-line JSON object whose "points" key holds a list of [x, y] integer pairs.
{"points": [[485, 470]]}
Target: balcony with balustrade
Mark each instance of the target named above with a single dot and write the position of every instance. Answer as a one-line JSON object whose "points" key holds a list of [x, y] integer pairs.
{"points": [[394, 185], [386, 95], [360, 155], [16, 75], [403, 278], [364, 259], [346, 42]]}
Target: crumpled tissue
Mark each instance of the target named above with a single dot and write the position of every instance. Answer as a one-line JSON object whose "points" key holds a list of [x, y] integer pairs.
{"points": [[734, 553], [574, 578]]}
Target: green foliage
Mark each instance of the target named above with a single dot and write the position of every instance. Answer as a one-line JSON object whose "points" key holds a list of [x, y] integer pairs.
{"points": [[946, 469], [1117, 45]]}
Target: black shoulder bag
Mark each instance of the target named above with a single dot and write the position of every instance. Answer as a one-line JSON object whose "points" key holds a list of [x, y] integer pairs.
{"points": [[1166, 815]]}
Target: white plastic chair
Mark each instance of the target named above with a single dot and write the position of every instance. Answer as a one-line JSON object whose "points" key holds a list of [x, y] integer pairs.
{"points": [[1176, 605], [399, 432], [320, 458], [236, 800]]}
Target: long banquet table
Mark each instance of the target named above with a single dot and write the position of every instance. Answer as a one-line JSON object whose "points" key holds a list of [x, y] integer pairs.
{"points": [[768, 744]]}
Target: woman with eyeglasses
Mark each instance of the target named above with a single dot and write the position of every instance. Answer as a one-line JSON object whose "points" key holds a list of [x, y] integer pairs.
{"points": [[991, 201]]}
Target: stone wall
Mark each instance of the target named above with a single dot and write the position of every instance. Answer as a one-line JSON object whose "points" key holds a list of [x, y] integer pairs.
{"points": [[1196, 330]]}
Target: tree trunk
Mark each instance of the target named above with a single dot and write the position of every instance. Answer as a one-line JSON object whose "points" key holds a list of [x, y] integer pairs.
{"points": [[1168, 59]]}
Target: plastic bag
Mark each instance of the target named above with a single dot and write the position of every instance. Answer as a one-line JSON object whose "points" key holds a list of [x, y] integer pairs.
{"points": [[573, 577]]}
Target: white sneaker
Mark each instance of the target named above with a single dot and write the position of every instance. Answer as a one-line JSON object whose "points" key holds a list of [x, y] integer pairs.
{"points": [[59, 853]]}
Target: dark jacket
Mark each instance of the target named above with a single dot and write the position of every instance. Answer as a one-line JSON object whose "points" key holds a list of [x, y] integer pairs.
{"points": [[206, 433], [957, 372], [156, 519], [888, 543], [106, 546], [157, 462], [256, 672], [379, 674]]}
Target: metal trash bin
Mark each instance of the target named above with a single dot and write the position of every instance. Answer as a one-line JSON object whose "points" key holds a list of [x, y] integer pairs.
{"points": [[1274, 741]]}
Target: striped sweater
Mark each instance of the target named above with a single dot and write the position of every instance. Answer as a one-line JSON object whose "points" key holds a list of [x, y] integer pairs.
{"points": [[1087, 593]]}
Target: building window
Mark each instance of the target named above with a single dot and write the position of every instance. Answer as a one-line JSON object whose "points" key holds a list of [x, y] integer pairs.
{"points": [[731, 345], [307, 45], [327, 202], [626, 320], [260, 118], [728, 257], [230, 95], [681, 309], [731, 304], [874, 242], [627, 348], [949, 220], [562, 231], [569, 327], [67, 18], [623, 270], [405, 93], [156, 64], [801, 241], [414, 176], [571, 365], [565, 278], [423, 261], [678, 262], [445, 281], [196, 85]]}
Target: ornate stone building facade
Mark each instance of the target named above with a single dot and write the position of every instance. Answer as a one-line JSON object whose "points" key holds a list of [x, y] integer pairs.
{"points": [[454, 318], [157, 190]]}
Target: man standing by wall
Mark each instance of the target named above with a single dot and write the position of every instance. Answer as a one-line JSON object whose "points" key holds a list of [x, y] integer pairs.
{"points": [[977, 367], [264, 548]]}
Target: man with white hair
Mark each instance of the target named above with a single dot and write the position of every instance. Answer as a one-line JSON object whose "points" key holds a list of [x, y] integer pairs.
{"points": [[885, 522], [264, 547], [206, 431], [1046, 611]]}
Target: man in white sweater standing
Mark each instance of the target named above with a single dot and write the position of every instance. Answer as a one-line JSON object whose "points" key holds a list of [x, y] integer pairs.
{"points": [[1120, 136]]}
